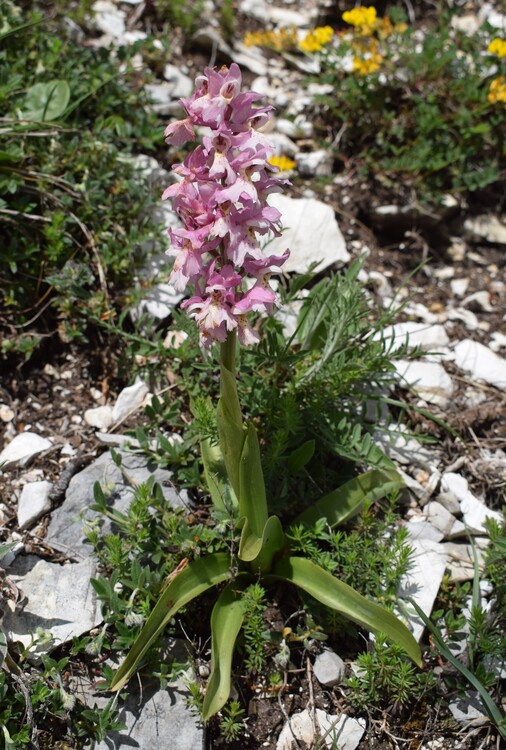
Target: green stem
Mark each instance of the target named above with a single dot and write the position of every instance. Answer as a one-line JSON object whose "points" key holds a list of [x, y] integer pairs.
{"points": [[228, 352]]}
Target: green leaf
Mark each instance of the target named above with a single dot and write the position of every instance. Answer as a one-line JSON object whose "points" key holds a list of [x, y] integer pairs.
{"points": [[341, 597], [21, 27], [345, 502], [226, 621], [260, 551], [46, 101], [299, 458], [493, 711], [252, 498], [222, 494], [198, 576]]}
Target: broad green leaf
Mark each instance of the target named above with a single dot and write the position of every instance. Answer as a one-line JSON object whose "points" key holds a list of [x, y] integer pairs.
{"points": [[260, 551], [198, 576], [299, 458], [226, 621], [341, 597], [252, 499], [46, 101], [216, 476], [492, 709], [345, 502], [230, 428]]}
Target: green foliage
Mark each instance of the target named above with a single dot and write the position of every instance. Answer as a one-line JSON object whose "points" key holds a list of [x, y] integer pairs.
{"points": [[420, 116], [184, 14], [384, 679], [254, 630], [70, 202], [232, 722]]}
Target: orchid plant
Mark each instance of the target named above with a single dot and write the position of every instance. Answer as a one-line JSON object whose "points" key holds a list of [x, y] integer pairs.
{"points": [[221, 196]]}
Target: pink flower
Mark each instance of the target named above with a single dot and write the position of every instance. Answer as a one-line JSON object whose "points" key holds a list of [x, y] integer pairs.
{"points": [[221, 198]]}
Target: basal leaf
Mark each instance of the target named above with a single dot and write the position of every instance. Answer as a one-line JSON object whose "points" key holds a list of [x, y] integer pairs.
{"points": [[198, 576], [339, 596], [345, 502], [46, 101], [226, 621], [222, 494], [299, 458], [252, 499], [260, 551]]}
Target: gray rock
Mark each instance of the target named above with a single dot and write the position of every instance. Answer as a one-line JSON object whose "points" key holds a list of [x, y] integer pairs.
{"points": [[460, 560], [60, 599], [311, 233], [129, 400], [449, 501], [282, 144], [467, 708], [314, 163], [66, 527], [156, 719], [33, 503], [422, 581], [481, 363], [428, 379], [155, 176], [335, 731], [162, 101], [419, 529], [444, 521], [22, 449], [328, 668]]}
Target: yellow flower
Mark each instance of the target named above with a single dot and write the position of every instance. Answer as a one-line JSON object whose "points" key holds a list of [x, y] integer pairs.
{"points": [[317, 38], [278, 40], [366, 65], [364, 19], [283, 162], [497, 47], [497, 91]]}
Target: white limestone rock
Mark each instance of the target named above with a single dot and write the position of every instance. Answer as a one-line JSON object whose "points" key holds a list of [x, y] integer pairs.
{"points": [[100, 417], [428, 379], [481, 363], [129, 400], [422, 581], [182, 85], [342, 732], [109, 19], [311, 233], [328, 668], [22, 449], [33, 503], [486, 227], [474, 512], [430, 338], [420, 529], [60, 598]]}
